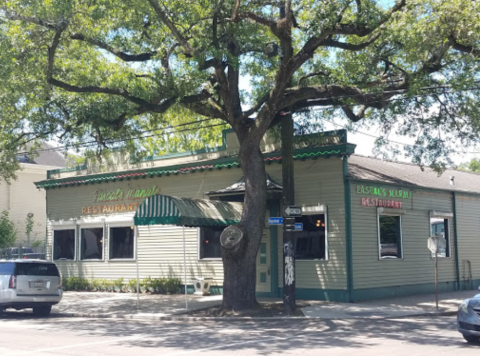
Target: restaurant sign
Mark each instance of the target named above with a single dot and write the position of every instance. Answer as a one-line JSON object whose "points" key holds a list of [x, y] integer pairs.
{"points": [[383, 203], [127, 200], [384, 192], [384, 197]]}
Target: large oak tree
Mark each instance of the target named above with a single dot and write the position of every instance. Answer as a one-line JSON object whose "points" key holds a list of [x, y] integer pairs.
{"points": [[109, 70]]}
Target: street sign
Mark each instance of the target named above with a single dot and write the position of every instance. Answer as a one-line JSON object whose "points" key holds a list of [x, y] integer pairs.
{"points": [[289, 224], [293, 211], [298, 226], [275, 221], [437, 244]]}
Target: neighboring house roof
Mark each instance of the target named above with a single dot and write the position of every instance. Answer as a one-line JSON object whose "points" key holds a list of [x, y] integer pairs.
{"points": [[48, 155], [408, 174]]}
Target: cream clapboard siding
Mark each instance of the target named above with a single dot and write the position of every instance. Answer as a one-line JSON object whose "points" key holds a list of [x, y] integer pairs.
{"points": [[320, 182], [468, 228], [416, 266], [22, 197], [160, 248]]}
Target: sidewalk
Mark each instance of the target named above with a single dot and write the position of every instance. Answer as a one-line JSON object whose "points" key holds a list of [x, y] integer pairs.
{"points": [[168, 307]]}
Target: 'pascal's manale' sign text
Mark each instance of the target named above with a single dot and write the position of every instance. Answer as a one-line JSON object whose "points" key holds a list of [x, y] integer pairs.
{"points": [[388, 195], [129, 197]]}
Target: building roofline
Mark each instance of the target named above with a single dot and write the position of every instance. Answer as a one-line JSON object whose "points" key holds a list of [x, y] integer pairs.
{"points": [[191, 167]]}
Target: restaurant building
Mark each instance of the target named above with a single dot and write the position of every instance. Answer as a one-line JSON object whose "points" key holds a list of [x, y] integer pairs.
{"points": [[365, 222]]}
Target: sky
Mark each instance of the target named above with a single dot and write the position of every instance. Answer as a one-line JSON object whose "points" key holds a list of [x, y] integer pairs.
{"points": [[365, 144]]}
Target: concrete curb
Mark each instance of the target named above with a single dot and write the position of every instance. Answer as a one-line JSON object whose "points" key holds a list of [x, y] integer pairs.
{"points": [[230, 318]]}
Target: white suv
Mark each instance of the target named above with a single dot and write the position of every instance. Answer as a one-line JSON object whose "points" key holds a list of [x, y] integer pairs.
{"points": [[29, 284]]}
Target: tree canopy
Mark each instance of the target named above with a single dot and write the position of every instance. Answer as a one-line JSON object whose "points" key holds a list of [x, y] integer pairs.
{"points": [[472, 166], [104, 71], [109, 71]]}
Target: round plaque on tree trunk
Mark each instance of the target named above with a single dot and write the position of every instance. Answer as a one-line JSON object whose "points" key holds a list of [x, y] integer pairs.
{"points": [[231, 237]]}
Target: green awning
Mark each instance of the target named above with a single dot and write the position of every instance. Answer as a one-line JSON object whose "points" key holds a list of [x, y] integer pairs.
{"points": [[168, 210]]}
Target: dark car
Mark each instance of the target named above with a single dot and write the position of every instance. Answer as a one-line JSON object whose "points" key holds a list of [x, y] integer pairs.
{"points": [[13, 253]]}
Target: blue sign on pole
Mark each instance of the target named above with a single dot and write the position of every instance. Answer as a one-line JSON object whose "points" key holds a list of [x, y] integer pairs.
{"points": [[275, 221], [298, 226]]}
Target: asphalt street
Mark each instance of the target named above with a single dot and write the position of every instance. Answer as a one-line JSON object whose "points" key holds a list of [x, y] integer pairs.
{"points": [[22, 334]]}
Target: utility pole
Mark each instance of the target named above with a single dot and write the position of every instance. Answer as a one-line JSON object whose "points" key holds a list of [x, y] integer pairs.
{"points": [[289, 294]]}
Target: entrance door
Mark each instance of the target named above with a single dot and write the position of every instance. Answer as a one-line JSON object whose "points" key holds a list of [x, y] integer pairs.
{"points": [[264, 280]]}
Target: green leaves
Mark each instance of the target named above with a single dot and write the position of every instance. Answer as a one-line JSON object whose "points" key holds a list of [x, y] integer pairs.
{"points": [[8, 233], [120, 68]]}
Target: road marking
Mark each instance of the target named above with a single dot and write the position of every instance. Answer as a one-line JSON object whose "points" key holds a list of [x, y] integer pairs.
{"points": [[223, 346], [164, 335], [15, 353]]}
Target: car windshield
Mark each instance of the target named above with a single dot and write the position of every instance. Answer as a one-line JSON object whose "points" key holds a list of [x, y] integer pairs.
{"points": [[36, 269]]}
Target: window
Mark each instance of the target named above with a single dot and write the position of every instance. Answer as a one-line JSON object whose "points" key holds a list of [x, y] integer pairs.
{"points": [[312, 241], [121, 242], [92, 243], [439, 228], [64, 244], [390, 236], [210, 242], [36, 269]]}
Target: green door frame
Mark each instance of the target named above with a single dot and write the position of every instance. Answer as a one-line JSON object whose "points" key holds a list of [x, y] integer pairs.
{"points": [[274, 290]]}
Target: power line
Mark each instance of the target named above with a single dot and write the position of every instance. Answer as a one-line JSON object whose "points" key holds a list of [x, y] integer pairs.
{"points": [[400, 91], [396, 142], [85, 144]]}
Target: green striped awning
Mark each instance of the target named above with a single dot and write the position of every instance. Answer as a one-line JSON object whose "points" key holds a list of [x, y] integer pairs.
{"points": [[168, 210]]}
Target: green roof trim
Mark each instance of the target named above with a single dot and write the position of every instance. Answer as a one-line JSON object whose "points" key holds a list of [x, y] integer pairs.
{"points": [[169, 210], [229, 162]]}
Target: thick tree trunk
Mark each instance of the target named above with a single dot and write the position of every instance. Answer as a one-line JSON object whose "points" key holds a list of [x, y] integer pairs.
{"points": [[240, 265]]}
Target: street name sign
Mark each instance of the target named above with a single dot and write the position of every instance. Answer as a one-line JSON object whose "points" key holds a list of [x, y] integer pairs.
{"points": [[275, 221], [298, 226]]}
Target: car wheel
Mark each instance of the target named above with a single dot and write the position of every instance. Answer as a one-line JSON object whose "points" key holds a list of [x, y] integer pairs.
{"points": [[42, 311], [472, 339]]}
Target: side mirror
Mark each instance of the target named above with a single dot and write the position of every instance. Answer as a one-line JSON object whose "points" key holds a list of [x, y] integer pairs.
{"points": [[478, 287]]}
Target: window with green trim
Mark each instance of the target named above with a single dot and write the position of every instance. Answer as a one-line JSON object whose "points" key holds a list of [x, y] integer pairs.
{"points": [[390, 236]]}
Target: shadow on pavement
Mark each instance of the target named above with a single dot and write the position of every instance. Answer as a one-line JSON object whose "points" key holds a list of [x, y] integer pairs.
{"points": [[266, 337]]}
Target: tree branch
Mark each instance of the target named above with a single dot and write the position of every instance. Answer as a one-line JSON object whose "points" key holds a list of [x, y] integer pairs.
{"points": [[463, 48], [12, 15], [255, 18], [142, 57], [329, 42], [333, 94], [361, 30], [314, 74], [351, 115], [235, 10], [176, 33], [256, 107]]}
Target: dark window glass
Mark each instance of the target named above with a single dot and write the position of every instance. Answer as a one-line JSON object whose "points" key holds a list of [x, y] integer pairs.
{"points": [[36, 269], [92, 244], [210, 242], [64, 244], [121, 242], [311, 242], [440, 229], [6, 268], [390, 236]]}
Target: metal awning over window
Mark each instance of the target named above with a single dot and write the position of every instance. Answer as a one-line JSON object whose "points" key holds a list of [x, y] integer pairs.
{"points": [[169, 210]]}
